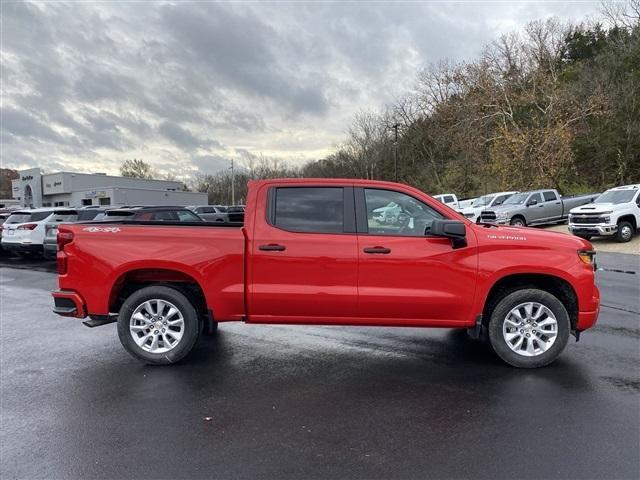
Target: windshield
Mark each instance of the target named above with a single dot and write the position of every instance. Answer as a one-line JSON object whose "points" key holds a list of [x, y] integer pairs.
{"points": [[482, 201], [616, 196], [517, 199]]}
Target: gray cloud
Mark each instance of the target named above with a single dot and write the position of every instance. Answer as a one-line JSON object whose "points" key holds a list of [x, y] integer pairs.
{"points": [[185, 139], [87, 85]]}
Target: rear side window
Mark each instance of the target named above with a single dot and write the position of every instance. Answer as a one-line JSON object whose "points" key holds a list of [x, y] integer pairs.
{"points": [[310, 209], [24, 217], [448, 199], [549, 196], [164, 216], [187, 216]]}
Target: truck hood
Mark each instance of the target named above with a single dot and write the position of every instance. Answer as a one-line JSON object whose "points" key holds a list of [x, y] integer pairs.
{"points": [[596, 208], [527, 237]]}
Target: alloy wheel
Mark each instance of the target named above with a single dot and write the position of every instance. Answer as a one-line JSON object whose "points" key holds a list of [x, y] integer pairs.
{"points": [[156, 326], [530, 329]]}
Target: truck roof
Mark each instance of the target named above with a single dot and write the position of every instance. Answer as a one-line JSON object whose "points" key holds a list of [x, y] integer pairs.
{"points": [[327, 181]]}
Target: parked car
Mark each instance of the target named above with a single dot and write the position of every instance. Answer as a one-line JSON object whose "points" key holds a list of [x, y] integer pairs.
{"points": [[210, 213], [49, 244], [152, 214], [3, 218], [23, 232], [309, 253], [466, 203], [449, 199], [536, 207], [387, 214], [235, 213], [484, 202], [616, 212]]}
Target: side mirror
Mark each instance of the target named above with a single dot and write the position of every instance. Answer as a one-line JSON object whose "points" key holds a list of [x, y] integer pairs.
{"points": [[452, 229], [532, 202]]}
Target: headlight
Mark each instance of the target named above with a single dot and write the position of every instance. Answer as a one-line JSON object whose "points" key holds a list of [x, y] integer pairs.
{"points": [[607, 219], [502, 214]]}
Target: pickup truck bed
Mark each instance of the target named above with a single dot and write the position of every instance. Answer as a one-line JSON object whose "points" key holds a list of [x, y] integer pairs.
{"points": [[314, 251]]}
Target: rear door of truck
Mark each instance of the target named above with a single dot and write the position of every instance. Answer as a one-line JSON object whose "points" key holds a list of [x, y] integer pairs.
{"points": [[303, 259]]}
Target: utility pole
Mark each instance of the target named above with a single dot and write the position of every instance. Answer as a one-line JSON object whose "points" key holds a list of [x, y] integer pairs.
{"points": [[395, 152], [233, 187]]}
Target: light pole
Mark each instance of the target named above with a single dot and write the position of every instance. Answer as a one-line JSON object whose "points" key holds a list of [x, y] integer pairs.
{"points": [[233, 189], [395, 127]]}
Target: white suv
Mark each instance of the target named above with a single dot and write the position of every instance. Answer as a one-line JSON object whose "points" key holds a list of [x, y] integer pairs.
{"points": [[23, 232], [615, 212]]}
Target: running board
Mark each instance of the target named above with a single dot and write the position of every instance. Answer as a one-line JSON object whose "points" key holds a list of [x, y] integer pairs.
{"points": [[99, 320]]}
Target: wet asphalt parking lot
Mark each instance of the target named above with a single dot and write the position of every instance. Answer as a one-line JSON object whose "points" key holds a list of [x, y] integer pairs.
{"points": [[315, 402]]}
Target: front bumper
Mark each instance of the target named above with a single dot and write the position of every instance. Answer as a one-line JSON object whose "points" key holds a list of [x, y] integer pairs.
{"points": [[68, 304], [588, 318], [601, 230]]}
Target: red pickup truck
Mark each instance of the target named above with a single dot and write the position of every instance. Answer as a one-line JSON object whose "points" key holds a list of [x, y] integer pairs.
{"points": [[329, 252]]}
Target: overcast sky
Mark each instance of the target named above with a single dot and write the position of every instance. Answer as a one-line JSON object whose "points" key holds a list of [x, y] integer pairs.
{"points": [[187, 86]]}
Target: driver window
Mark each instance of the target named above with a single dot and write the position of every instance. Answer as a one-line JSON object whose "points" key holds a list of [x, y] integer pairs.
{"points": [[394, 213]]}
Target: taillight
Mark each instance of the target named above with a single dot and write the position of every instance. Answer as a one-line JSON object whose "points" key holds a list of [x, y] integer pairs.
{"points": [[27, 226], [63, 239]]}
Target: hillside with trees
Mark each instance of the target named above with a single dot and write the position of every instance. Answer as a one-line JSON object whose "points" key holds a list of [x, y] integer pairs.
{"points": [[555, 105]]}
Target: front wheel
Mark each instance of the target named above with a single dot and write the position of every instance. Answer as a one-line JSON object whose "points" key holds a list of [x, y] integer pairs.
{"points": [[625, 232], [158, 325], [518, 222], [529, 328]]}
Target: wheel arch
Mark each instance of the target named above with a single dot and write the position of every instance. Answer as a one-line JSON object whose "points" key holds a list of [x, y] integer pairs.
{"points": [[519, 215], [134, 279], [629, 218], [555, 285]]}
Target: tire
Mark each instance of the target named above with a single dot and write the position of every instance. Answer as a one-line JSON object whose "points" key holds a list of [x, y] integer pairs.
{"points": [[518, 222], [530, 351], [161, 302], [625, 232]]}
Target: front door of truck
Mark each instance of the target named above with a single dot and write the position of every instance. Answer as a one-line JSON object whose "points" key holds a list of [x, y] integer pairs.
{"points": [[303, 259], [404, 276]]}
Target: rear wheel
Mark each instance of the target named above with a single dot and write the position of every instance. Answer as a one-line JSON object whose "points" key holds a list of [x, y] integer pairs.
{"points": [[529, 328], [625, 232], [158, 325], [518, 222]]}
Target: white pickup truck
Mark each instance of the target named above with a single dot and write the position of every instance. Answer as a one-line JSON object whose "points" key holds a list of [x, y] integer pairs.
{"points": [[615, 212]]}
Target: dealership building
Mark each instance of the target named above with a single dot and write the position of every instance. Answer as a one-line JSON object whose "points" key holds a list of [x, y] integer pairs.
{"points": [[63, 189]]}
